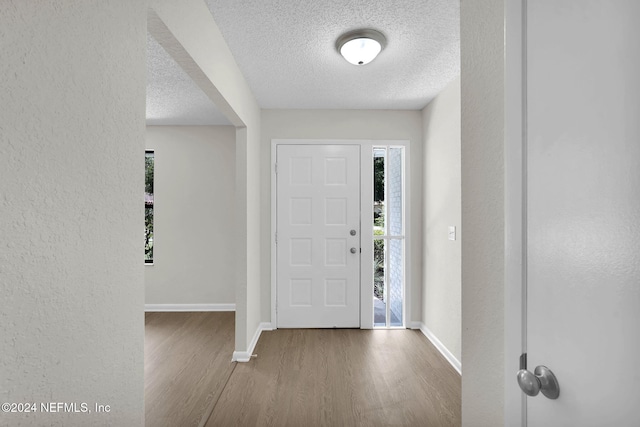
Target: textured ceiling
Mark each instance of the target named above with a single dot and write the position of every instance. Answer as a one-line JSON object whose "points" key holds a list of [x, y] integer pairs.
{"points": [[172, 96], [286, 52]]}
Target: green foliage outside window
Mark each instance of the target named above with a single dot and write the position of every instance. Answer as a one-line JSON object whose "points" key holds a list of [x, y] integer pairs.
{"points": [[378, 228], [378, 266], [148, 207], [378, 179]]}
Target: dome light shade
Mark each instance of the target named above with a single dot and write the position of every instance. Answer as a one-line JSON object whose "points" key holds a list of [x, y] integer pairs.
{"points": [[360, 47]]}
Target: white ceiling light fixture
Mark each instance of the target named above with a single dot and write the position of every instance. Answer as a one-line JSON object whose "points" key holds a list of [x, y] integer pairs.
{"points": [[360, 47]]}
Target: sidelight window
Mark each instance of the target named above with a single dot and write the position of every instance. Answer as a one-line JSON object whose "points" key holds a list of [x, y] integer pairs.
{"points": [[388, 236]]}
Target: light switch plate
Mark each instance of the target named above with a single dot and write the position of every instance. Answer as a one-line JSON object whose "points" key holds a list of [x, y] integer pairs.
{"points": [[452, 232]]}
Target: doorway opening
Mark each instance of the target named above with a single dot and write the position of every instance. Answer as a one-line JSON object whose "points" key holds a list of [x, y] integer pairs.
{"points": [[388, 237]]}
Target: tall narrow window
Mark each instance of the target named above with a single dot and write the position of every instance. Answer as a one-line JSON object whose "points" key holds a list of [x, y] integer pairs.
{"points": [[148, 206], [388, 236]]}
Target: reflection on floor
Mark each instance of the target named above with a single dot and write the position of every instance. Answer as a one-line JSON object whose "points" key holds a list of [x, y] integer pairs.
{"points": [[379, 314], [299, 377], [187, 362], [341, 377]]}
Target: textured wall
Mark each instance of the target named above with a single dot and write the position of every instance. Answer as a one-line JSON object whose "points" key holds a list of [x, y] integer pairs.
{"points": [[482, 77], [342, 124], [72, 102], [441, 302], [193, 215]]}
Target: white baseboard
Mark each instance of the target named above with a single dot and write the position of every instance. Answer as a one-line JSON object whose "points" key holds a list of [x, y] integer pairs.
{"points": [[441, 348], [189, 307], [414, 325], [245, 356]]}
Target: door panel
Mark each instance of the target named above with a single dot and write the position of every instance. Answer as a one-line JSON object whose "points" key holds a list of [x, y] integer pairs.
{"points": [[318, 206], [583, 310]]}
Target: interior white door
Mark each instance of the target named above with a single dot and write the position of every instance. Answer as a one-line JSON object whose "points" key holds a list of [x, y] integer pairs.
{"points": [[318, 236], [583, 310]]}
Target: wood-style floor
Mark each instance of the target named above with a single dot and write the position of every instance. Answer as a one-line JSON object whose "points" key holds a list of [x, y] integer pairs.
{"points": [[187, 362], [310, 377]]}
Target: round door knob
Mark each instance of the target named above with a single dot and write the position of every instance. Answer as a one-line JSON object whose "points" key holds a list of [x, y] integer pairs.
{"points": [[353, 232], [541, 380], [353, 250], [528, 382]]}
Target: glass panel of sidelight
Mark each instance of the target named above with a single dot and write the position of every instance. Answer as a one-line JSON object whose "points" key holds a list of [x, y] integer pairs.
{"points": [[395, 281], [379, 158], [379, 304], [394, 191]]}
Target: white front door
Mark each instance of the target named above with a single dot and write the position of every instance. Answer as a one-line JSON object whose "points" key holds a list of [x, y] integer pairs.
{"points": [[318, 236], [583, 309]]}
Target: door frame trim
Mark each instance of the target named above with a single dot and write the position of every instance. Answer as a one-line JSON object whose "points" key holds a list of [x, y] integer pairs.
{"points": [[366, 194], [515, 296]]}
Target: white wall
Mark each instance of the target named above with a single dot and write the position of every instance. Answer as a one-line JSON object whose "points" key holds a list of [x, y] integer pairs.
{"points": [[187, 31], [342, 124], [441, 257], [482, 77], [72, 102], [193, 215]]}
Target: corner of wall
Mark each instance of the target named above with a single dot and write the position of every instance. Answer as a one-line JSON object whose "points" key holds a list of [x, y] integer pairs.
{"points": [[441, 257]]}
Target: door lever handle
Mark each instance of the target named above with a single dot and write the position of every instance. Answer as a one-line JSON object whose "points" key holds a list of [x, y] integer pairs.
{"points": [[541, 380]]}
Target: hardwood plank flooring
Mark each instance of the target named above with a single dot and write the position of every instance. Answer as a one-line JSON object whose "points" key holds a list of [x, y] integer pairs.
{"points": [[339, 377], [187, 363]]}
